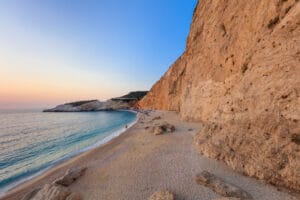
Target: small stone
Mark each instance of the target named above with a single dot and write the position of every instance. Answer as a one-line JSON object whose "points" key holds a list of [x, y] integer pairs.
{"points": [[162, 195], [296, 138], [169, 128], [157, 130]]}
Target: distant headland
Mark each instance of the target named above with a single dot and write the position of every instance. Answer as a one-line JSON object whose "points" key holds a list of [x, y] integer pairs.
{"points": [[124, 102]]}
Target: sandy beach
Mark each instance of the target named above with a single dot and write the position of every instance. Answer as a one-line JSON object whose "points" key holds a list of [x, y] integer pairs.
{"points": [[138, 163]]}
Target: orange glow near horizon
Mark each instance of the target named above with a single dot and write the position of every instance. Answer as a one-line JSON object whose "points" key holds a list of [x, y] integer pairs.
{"points": [[31, 88]]}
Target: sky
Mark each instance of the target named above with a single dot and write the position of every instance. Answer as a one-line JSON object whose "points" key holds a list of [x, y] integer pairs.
{"points": [[57, 51]]}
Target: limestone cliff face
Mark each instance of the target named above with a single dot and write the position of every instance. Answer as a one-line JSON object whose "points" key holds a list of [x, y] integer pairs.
{"points": [[240, 76]]}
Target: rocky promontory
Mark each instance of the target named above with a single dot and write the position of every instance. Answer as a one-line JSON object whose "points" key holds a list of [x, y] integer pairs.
{"points": [[124, 102]]}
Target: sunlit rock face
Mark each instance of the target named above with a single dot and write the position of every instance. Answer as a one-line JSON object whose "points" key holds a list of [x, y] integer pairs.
{"points": [[240, 76]]}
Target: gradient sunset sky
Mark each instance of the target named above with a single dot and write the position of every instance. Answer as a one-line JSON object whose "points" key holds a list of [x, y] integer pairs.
{"points": [[56, 51]]}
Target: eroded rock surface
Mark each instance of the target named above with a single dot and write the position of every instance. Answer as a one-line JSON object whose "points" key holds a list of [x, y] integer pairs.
{"points": [[220, 186], [239, 75]]}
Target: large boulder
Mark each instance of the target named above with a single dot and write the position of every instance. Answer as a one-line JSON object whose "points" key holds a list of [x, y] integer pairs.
{"points": [[31, 194], [70, 176], [220, 186], [163, 128], [51, 192]]}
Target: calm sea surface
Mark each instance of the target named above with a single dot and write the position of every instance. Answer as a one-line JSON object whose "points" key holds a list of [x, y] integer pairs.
{"points": [[33, 141]]}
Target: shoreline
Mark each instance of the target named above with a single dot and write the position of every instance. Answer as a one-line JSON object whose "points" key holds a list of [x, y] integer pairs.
{"points": [[137, 163], [11, 187]]}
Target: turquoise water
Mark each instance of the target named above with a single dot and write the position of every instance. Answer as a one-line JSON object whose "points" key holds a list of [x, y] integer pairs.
{"points": [[32, 141]]}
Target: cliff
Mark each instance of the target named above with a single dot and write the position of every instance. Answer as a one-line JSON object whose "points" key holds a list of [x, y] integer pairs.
{"points": [[239, 75]]}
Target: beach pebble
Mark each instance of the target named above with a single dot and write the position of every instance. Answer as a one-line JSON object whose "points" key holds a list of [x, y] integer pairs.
{"points": [[71, 176], [220, 186], [162, 195]]}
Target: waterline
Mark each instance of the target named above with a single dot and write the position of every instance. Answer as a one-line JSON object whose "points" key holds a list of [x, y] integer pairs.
{"points": [[44, 168]]}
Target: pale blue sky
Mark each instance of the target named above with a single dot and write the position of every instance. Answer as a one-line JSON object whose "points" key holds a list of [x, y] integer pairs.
{"points": [[64, 50]]}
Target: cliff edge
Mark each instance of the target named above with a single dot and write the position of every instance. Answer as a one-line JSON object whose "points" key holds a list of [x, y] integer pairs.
{"points": [[240, 76]]}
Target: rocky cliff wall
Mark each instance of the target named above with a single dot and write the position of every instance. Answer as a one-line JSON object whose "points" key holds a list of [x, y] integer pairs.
{"points": [[240, 76]]}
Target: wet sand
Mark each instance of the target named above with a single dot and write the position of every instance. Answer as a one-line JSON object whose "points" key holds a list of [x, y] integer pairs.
{"points": [[138, 163]]}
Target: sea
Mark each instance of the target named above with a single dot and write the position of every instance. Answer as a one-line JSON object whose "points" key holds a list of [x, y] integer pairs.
{"points": [[31, 141]]}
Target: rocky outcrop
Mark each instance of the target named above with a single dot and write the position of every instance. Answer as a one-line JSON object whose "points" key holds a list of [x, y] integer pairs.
{"points": [[221, 187], [239, 75], [125, 102]]}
